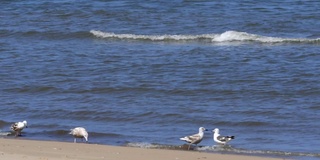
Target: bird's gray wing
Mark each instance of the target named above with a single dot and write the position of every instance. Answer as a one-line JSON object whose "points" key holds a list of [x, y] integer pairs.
{"points": [[222, 138], [195, 139]]}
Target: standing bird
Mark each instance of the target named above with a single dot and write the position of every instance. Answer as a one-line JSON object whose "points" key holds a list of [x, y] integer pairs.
{"points": [[18, 127], [79, 132], [221, 139], [196, 138]]}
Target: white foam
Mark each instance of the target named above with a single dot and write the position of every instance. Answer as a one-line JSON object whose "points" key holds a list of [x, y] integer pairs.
{"points": [[4, 133], [244, 36], [142, 145], [101, 34], [228, 36], [219, 148]]}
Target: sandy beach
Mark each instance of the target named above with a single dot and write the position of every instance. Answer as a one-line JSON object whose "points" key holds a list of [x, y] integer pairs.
{"points": [[20, 149]]}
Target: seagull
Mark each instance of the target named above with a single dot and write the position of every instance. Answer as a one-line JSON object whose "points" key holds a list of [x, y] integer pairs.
{"points": [[18, 127], [221, 139], [79, 132], [196, 138]]}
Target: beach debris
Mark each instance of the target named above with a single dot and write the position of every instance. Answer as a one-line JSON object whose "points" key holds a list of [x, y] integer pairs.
{"points": [[79, 132], [196, 138], [221, 139], [17, 127]]}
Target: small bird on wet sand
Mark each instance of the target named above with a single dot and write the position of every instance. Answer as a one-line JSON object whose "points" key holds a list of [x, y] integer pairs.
{"points": [[221, 139], [79, 132], [196, 138], [18, 127]]}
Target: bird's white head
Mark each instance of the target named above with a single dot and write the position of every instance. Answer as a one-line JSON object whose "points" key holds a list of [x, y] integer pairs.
{"points": [[25, 123], [216, 130], [85, 134], [202, 129], [86, 137]]}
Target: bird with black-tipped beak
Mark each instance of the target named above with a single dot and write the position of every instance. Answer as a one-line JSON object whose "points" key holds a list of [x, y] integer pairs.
{"points": [[196, 138]]}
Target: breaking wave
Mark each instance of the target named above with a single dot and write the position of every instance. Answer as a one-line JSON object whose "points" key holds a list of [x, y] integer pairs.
{"points": [[228, 36]]}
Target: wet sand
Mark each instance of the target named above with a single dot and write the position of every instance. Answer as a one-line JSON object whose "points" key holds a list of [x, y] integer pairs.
{"points": [[20, 149]]}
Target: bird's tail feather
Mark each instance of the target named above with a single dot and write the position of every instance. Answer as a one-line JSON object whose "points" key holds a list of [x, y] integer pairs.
{"points": [[183, 139]]}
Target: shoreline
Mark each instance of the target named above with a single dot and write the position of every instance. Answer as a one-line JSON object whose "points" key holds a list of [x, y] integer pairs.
{"points": [[24, 149]]}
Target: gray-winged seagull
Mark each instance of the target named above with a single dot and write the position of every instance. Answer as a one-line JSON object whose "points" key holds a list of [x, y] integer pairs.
{"points": [[79, 132], [196, 138], [221, 139], [18, 127]]}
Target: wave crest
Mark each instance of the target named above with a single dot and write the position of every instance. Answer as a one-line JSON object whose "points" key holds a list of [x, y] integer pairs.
{"points": [[228, 36], [165, 37]]}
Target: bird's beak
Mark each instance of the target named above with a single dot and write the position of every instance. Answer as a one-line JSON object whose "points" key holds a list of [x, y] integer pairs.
{"points": [[206, 130], [26, 126]]}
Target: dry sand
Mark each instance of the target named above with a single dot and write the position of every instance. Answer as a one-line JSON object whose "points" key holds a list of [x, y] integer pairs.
{"points": [[19, 149]]}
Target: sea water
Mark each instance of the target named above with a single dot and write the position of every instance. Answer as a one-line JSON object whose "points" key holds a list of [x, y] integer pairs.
{"points": [[145, 73]]}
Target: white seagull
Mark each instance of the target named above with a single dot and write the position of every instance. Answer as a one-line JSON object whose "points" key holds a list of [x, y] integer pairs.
{"points": [[79, 132], [18, 127], [221, 139], [196, 138]]}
